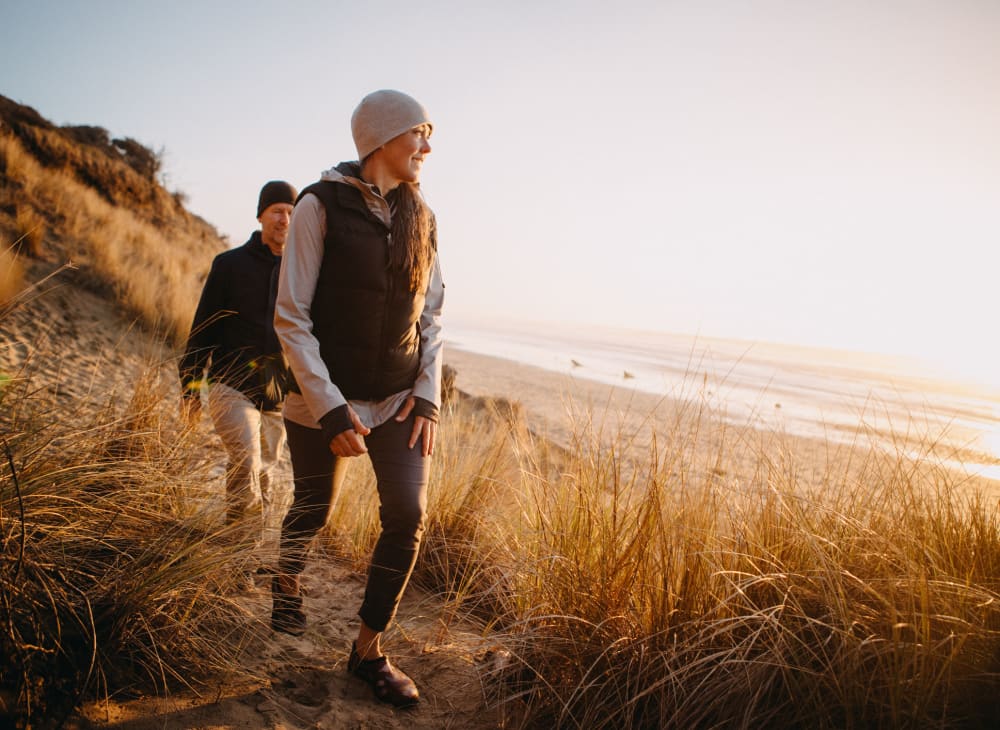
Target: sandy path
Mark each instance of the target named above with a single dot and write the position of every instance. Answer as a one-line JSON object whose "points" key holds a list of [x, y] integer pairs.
{"points": [[302, 680]]}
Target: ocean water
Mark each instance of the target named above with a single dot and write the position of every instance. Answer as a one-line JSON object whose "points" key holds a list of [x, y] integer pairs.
{"points": [[894, 403]]}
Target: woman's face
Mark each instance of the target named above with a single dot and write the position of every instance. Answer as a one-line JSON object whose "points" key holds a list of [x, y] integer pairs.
{"points": [[403, 156]]}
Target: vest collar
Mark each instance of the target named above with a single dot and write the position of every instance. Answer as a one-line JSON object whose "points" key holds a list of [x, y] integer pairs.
{"points": [[349, 173]]}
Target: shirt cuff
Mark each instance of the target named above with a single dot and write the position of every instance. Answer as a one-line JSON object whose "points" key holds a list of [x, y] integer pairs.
{"points": [[425, 408], [335, 422]]}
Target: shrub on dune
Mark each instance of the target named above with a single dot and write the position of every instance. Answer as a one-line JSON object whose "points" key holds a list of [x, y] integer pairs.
{"points": [[115, 572]]}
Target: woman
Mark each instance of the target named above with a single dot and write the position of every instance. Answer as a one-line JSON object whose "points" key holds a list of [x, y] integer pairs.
{"points": [[358, 310]]}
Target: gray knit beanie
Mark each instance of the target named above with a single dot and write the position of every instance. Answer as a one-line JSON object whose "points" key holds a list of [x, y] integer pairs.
{"points": [[275, 191], [383, 115]]}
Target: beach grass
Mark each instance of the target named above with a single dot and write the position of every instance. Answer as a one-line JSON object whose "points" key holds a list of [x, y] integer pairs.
{"points": [[116, 573], [616, 582], [650, 590]]}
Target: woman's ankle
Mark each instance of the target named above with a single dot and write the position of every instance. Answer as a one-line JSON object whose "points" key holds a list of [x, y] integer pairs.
{"points": [[368, 645]]}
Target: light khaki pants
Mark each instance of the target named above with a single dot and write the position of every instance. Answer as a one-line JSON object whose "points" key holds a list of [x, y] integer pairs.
{"points": [[254, 440]]}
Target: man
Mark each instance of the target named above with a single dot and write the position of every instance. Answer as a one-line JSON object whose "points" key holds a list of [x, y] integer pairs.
{"points": [[233, 343]]}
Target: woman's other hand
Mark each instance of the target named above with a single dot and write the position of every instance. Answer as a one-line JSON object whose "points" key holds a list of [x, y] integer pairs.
{"points": [[424, 429]]}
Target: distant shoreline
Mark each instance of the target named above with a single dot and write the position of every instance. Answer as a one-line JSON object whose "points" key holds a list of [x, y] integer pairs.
{"points": [[555, 404], [565, 409]]}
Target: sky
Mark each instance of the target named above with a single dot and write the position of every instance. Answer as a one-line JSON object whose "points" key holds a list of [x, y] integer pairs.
{"points": [[822, 173]]}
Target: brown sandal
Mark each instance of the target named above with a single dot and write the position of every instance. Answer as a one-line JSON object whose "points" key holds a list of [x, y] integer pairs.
{"points": [[389, 684]]}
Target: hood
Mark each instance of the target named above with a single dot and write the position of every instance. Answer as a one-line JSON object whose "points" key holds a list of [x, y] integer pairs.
{"points": [[343, 171], [349, 173]]}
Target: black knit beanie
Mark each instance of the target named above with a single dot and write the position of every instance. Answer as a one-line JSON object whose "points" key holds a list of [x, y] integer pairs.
{"points": [[275, 191]]}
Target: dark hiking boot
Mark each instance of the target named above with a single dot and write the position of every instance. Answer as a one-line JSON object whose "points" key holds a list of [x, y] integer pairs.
{"points": [[287, 615], [389, 684]]}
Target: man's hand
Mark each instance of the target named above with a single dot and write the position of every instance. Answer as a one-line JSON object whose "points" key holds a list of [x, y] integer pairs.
{"points": [[351, 442], [424, 429]]}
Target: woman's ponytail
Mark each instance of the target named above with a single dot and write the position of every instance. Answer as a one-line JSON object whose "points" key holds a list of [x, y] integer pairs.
{"points": [[411, 250]]}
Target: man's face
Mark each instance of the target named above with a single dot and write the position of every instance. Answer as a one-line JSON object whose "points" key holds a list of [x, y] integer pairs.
{"points": [[274, 226]]}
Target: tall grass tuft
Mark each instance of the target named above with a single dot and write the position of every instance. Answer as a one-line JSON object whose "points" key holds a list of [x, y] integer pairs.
{"points": [[667, 597], [29, 230], [656, 590], [115, 570]]}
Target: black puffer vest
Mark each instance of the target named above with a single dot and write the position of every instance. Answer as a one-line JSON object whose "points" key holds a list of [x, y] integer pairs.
{"points": [[364, 315]]}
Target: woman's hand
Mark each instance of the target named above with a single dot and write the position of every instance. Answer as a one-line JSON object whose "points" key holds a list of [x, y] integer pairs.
{"points": [[351, 442], [424, 429]]}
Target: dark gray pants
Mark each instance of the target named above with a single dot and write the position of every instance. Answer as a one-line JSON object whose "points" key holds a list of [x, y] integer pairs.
{"points": [[401, 474]]}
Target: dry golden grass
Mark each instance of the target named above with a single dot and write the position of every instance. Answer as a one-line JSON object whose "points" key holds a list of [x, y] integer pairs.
{"points": [[116, 574], [155, 273], [669, 597], [29, 229], [11, 276], [152, 265], [677, 600], [122, 171]]}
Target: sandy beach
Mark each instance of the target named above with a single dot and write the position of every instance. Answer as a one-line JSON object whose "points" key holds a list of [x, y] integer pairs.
{"points": [[565, 408]]}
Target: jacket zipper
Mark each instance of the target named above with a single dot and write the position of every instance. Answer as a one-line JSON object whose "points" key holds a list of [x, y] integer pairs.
{"points": [[378, 375]]}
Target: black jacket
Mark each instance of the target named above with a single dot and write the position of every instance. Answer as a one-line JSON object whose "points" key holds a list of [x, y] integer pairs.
{"points": [[232, 335]]}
